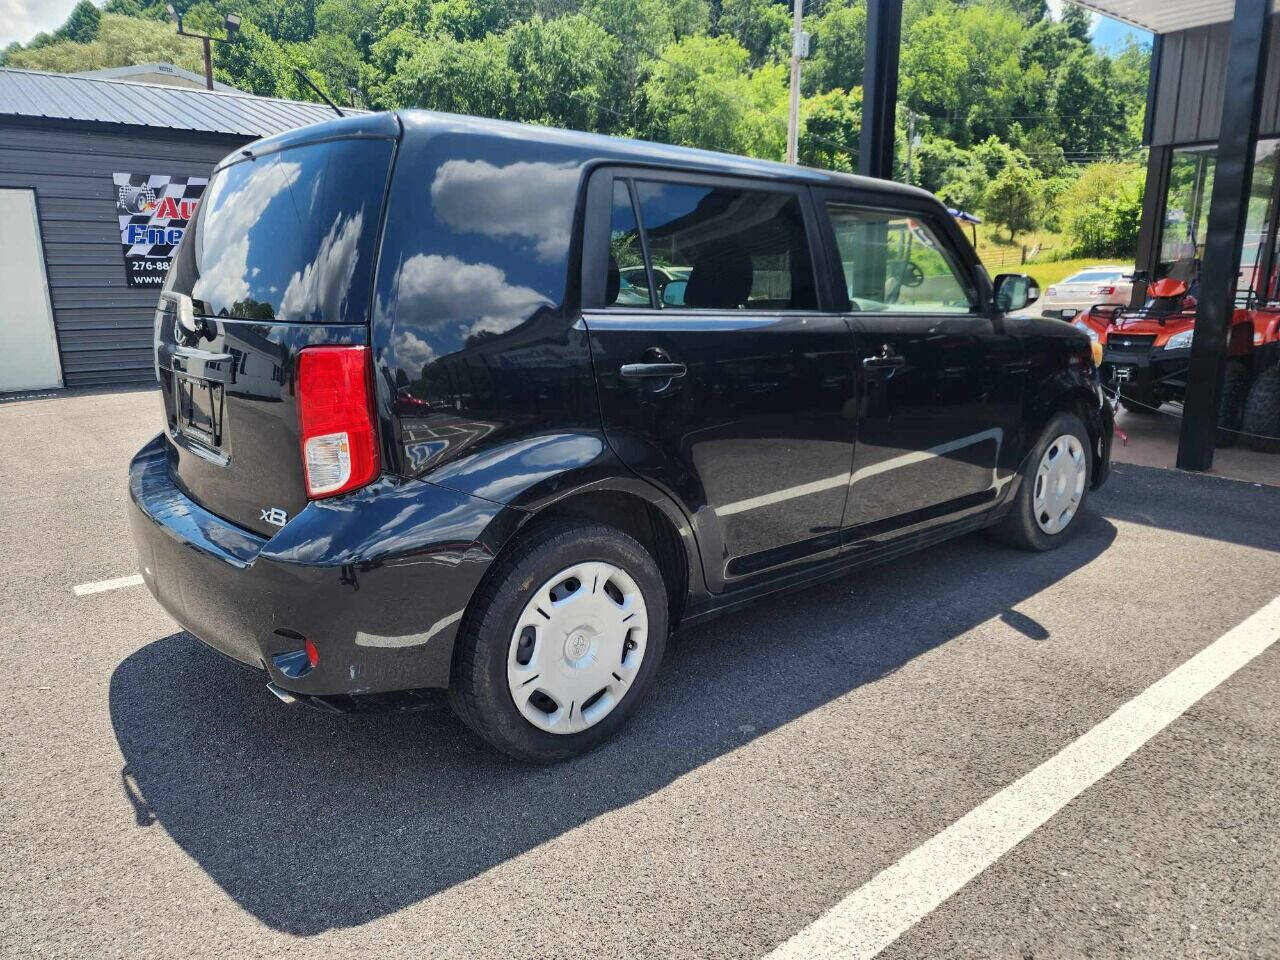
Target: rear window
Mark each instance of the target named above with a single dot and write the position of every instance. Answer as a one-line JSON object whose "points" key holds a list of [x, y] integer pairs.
{"points": [[290, 236], [1094, 276]]}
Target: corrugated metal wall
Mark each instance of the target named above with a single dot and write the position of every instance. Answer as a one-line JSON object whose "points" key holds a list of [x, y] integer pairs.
{"points": [[1193, 69], [103, 326]]}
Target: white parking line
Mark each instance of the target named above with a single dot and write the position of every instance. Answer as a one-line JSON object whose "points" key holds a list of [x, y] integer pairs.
{"points": [[880, 911], [84, 589]]}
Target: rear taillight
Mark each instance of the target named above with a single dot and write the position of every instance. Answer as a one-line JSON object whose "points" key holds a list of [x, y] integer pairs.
{"points": [[1104, 291], [1051, 292], [335, 411]]}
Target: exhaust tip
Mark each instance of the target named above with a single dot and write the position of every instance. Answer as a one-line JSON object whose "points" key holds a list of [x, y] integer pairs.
{"points": [[284, 696]]}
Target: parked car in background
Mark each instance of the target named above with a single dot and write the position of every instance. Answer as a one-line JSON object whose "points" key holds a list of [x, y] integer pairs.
{"points": [[472, 465], [1103, 284]]}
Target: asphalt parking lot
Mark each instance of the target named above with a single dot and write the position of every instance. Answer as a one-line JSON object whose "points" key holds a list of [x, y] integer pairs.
{"points": [[158, 801]]}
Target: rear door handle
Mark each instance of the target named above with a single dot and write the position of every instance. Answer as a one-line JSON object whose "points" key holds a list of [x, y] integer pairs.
{"points": [[664, 371]]}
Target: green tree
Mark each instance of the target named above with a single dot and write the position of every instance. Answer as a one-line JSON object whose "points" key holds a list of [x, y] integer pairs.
{"points": [[830, 126], [1101, 211], [121, 41], [1077, 21], [257, 63], [937, 162], [564, 72], [839, 49], [82, 25], [459, 76], [701, 94], [1089, 117], [1012, 199], [761, 27]]}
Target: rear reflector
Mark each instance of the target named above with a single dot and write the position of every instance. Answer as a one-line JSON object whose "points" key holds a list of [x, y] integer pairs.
{"points": [[335, 410]]}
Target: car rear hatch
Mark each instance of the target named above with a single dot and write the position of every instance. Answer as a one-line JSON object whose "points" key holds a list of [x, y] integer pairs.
{"points": [[278, 258]]}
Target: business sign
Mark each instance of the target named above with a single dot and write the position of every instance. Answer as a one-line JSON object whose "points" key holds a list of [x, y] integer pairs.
{"points": [[153, 210]]}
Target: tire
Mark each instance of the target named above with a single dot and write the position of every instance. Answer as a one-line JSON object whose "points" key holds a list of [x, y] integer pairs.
{"points": [[1260, 421], [1235, 385], [1020, 527], [487, 667]]}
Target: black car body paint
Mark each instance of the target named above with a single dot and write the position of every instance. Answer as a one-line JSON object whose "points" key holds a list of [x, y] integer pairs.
{"points": [[778, 458]]}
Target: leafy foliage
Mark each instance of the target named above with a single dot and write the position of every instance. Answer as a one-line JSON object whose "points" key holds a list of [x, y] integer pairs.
{"points": [[121, 41], [1007, 101], [1103, 208], [1011, 200]]}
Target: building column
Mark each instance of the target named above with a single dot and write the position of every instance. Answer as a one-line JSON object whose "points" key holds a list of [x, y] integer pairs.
{"points": [[880, 88], [1237, 141]]}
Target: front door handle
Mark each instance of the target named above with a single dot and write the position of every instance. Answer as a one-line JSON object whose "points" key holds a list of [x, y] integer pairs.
{"points": [[664, 371], [887, 359]]}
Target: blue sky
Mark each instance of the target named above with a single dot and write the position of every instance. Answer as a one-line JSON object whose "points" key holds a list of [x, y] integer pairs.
{"points": [[22, 19]]}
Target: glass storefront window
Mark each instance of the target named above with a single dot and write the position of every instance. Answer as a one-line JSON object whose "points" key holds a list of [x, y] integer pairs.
{"points": [[1186, 212], [1186, 219]]}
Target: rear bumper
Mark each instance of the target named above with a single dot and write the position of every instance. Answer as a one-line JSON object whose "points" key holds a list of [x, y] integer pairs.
{"points": [[377, 579]]}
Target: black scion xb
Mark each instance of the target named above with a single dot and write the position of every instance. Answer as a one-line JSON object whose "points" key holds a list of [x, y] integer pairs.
{"points": [[458, 403]]}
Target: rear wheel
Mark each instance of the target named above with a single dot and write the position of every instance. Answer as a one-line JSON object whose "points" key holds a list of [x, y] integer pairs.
{"points": [[562, 641], [1054, 484], [1235, 385], [1260, 421]]}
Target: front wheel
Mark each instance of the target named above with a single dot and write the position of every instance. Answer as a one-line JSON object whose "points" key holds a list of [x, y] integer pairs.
{"points": [[1054, 484], [563, 639]]}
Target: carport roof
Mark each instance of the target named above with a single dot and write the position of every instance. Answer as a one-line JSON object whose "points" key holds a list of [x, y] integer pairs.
{"points": [[1166, 16], [60, 96]]}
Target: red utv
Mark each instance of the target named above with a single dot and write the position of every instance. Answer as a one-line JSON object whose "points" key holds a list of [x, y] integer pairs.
{"points": [[1146, 352]]}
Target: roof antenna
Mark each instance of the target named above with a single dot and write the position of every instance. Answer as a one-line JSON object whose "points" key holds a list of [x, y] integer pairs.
{"points": [[312, 84]]}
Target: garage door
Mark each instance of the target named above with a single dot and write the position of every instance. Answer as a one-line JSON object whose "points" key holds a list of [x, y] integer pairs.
{"points": [[29, 360]]}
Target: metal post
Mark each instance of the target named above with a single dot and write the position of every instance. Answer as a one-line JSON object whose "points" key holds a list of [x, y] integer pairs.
{"points": [[208, 63], [793, 115], [1237, 141], [880, 88]]}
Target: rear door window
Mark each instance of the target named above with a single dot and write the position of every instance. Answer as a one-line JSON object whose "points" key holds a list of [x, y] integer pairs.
{"points": [[291, 235], [713, 247]]}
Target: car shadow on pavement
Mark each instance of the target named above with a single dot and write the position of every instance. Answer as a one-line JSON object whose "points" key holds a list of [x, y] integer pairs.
{"points": [[312, 821]]}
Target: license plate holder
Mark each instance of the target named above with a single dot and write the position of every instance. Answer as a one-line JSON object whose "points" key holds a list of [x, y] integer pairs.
{"points": [[198, 406], [1069, 314]]}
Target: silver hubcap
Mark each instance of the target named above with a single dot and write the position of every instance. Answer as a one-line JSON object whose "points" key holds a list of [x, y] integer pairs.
{"points": [[1059, 483], [577, 647]]}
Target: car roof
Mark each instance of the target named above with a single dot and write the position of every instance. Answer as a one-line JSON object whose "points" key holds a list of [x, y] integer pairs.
{"points": [[590, 147]]}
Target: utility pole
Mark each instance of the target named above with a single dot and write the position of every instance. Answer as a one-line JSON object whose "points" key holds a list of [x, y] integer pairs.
{"points": [[799, 50], [231, 21], [912, 141]]}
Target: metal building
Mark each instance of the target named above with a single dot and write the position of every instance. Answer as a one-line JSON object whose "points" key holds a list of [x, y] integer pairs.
{"points": [[86, 164]]}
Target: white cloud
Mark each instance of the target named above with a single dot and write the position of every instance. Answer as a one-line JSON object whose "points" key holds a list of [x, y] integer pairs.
{"points": [[528, 201], [224, 230], [22, 19], [326, 278], [410, 350], [474, 295]]}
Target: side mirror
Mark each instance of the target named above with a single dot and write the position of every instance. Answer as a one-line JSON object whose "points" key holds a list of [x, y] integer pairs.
{"points": [[1015, 291], [673, 293]]}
